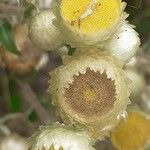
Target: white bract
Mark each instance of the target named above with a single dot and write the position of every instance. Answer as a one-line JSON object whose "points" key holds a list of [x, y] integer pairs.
{"points": [[124, 43]]}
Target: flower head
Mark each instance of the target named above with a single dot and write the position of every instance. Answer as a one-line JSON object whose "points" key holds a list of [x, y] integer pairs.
{"points": [[87, 91], [60, 137], [132, 134], [88, 22]]}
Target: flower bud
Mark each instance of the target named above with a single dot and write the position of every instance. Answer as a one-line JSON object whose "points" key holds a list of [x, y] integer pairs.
{"points": [[124, 43], [43, 33]]}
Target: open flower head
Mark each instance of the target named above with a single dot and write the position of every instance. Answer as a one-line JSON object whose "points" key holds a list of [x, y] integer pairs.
{"points": [[91, 91], [132, 134], [60, 137], [87, 22]]}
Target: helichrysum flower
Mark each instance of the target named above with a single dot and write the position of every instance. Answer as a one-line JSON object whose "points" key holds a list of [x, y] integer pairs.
{"points": [[88, 22], [90, 91], [134, 133], [60, 137], [43, 33]]}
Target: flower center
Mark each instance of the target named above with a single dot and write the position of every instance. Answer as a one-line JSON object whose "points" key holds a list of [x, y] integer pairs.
{"points": [[91, 94], [91, 15]]}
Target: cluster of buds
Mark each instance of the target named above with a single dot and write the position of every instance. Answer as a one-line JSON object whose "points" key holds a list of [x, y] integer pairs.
{"points": [[91, 89]]}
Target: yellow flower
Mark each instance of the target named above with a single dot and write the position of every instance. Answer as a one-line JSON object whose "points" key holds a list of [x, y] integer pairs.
{"points": [[88, 22], [132, 134], [90, 91], [60, 137]]}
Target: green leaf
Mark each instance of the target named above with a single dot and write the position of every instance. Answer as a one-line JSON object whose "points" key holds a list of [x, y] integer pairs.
{"points": [[134, 3], [70, 50], [144, 26], [29, 7], [33, 116], [29, 10], [6, 37], [16, 101]]}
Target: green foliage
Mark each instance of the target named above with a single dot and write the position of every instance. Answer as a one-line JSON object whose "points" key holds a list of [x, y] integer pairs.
{"points": [[6, 37], [144, 27], [28, 11], [16, 101], [33, 116], [29, 8], [134, 3], [70, 50]]}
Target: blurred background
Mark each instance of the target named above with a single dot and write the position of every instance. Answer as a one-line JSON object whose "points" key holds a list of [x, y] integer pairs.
{"points": [[24, 69]]}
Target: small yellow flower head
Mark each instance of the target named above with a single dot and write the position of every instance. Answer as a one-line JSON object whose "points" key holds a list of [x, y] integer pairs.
{"points": [[132, 134], [59, 137], [90, 90], [87, 22], [43, 33], [14, 142]]}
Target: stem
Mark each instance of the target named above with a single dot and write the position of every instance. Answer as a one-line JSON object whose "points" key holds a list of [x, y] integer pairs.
{"points": [[5, 130], [29, 96], [9, 116]]}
